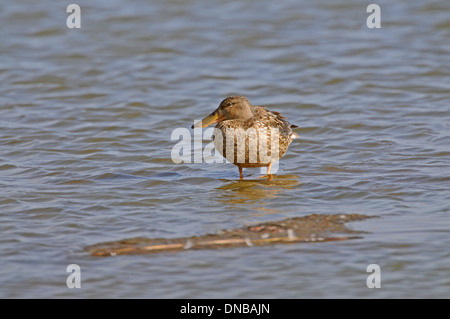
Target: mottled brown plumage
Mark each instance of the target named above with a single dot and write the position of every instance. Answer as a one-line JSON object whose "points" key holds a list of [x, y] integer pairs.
{"points": [[256, 136]]}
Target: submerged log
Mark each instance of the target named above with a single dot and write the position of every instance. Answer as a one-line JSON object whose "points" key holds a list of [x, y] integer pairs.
{"points": [[307, 229]]}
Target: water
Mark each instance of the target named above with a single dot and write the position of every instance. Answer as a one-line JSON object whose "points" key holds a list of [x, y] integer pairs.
{"points": [[86, 117]]}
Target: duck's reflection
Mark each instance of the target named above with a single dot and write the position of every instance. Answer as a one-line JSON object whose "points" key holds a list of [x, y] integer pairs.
{"points": [[255, 192]]}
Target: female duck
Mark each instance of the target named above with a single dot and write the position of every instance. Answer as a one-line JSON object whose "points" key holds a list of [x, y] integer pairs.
{"points": [[249, 135]]}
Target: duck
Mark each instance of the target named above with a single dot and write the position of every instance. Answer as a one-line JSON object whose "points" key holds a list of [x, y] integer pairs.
{"points": [[249, 135]]}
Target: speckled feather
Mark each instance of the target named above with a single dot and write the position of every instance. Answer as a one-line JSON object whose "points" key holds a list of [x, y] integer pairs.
{"points": [[265, 123]]}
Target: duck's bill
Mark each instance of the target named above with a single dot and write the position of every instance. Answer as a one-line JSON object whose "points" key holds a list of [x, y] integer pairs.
{"points": [[213, 118]]}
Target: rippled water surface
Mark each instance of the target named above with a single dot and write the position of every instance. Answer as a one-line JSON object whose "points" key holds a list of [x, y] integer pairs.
{"points": [[86, 121]]}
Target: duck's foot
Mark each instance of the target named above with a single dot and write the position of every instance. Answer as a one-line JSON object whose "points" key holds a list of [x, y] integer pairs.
{"points": [[268, 176]]}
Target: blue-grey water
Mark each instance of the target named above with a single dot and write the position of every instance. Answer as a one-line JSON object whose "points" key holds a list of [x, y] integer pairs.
{"points": [[86, 117]]}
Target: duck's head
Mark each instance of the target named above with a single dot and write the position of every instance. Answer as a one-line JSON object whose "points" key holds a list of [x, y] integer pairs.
{"points": [[232, 108]]}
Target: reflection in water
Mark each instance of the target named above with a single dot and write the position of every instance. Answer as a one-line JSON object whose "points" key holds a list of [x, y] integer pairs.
{"points": [[255, 192], [307, 229]]}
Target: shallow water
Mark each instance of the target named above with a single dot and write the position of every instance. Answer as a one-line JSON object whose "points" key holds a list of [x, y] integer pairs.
{"points": [[86, 117]]}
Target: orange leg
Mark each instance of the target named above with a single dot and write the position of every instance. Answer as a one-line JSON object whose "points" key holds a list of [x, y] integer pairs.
{"points": [[268, 172], [240, 172], [268, 168]]}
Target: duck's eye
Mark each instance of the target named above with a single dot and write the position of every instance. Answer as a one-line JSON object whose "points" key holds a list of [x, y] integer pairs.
{"points": [[230, 104]]}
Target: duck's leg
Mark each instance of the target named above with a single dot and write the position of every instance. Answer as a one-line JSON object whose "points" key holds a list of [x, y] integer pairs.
{"points": [[268, 168], [268, 172], [240, 172]]}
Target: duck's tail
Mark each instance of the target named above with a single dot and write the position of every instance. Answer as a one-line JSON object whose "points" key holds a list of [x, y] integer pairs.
{"points": [[294, 135]]}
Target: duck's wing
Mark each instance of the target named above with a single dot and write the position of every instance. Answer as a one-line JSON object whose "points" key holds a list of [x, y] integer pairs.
{"points": [[274, 119]]}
